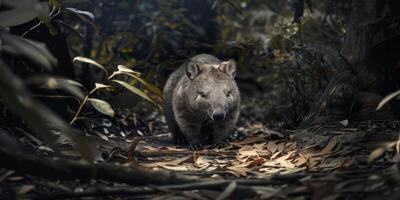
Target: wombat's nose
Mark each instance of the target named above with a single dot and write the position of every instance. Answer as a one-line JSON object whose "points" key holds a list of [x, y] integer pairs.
{"points": [[218, 116]]}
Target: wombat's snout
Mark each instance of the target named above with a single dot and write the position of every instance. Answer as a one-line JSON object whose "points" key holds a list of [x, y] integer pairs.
{"points": [[218, 116]]}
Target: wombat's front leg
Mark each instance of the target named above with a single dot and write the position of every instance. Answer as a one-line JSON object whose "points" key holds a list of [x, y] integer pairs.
{"points": [[220, 134], [193, 136]]}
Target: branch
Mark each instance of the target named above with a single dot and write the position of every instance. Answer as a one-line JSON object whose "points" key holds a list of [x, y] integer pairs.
{"points": [[71, 170]]}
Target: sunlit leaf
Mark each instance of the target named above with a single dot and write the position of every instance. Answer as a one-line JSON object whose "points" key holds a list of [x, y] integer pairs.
{"points": [[387, 99], [101, 86], [90, 61], [85, 16], [152, 88], [34, 51], [123, 68], [134, 90], [102, 106], [376, 154], [22, 11], [70, 86]]}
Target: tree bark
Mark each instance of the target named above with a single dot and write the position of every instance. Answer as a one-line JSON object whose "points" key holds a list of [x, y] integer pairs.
{"points": [[371, 51]]}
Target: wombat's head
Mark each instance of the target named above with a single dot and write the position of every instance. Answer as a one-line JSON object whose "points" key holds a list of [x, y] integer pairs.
{"points": [[212, 90]]}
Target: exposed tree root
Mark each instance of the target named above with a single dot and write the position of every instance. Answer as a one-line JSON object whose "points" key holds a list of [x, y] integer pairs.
{"points": [[69, 169]]}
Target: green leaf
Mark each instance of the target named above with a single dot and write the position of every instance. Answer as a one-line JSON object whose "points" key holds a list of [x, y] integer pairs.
{"points": [[85, 16], [152, 88], [23, 11], [70, 86], [100, 86], [134, 90], [123, 68], [90, 61], [32, 50], [81, 13], [102, 106], [387, 99]]}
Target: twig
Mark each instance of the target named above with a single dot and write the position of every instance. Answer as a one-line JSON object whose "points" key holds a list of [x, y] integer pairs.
{"points": [[79, 109], [174, 152], [76, 116], [31, 29], [244, 188], [228, 191]]}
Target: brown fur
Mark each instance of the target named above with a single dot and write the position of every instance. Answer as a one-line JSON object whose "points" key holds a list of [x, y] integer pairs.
{"points": [[196, 95]]}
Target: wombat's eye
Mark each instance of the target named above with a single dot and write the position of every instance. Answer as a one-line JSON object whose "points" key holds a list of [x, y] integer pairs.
{"points": [[202, 94], [228, 94]]}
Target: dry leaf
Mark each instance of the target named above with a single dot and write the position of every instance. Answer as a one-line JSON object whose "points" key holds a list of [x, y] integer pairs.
{"points": [[167, 163], [202, 162], [328, 148], [256, 162], [25, 189], [238, 171], [376, 154], [272, 147]]}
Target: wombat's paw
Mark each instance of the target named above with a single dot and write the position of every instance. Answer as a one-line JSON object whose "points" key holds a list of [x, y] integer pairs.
{"points": [[219, 145], [195, 147], [178, 140], [237, 135]]}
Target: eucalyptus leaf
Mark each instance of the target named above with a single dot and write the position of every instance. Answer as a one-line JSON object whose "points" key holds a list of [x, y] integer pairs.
{"points": [[134, 90], [152, 88], [70, 86], [102, 106], [21, 12], [123, 68], [32, 50], [100, 86], [85, 16], [90, 61], [387, 99]]}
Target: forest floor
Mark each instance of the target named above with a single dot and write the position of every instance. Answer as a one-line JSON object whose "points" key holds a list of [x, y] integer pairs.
{"points": [[330, 161]]}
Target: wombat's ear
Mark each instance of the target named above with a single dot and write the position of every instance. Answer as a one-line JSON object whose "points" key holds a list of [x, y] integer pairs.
{"points": [[192, 70], [229, 67]]}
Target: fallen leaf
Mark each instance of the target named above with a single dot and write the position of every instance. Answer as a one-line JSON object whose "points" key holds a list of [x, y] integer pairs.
{"points": [[175, 168], [25, 189], [238, 171], [376, 154], [202, 162], [328, 148], [5, 175], [170, 163], [272, 147], [258, 161]]}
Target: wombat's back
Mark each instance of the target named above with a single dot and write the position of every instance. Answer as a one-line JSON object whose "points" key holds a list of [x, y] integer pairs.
{"points": [[172, 83]]}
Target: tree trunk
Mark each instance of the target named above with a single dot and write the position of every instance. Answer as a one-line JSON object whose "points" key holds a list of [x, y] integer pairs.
{"points": [[371, 50]]}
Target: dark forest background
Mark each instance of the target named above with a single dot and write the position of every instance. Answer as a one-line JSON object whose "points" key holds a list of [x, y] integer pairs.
{"points": [[286, 64], [81, 82]]}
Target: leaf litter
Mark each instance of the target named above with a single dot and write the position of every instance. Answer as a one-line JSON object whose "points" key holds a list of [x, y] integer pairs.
{"points": [[288, 166]]}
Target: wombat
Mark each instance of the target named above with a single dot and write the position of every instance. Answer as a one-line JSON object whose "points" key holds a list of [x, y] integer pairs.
{"points": [[202, 101]]}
